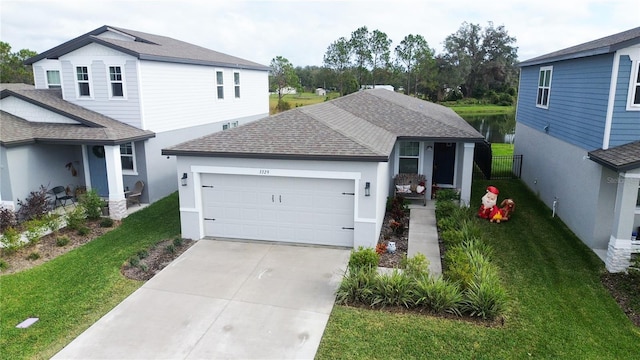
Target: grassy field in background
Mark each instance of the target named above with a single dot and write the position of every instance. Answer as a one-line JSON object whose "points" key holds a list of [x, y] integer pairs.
{"points": [[297, 100], [498, 149], [558, 307], [481, 109], [73, 291]]}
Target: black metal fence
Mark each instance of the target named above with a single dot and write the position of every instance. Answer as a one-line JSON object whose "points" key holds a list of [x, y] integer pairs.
{"points": [[490, 167]]}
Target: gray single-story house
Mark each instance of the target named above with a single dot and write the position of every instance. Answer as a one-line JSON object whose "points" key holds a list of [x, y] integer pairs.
{"points": [[320, 174]]}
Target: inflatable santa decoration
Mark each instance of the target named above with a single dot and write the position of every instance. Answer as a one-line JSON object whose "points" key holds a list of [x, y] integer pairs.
{"points": [[489, 201]]}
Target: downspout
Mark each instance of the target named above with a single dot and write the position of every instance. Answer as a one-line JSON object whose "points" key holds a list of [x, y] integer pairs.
{"points": [[612, 95]]}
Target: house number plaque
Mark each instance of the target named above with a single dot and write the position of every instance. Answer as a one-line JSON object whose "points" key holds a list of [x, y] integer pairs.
{"points": [[264, 172]]}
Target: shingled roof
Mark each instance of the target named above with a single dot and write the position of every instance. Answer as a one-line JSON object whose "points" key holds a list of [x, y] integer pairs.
{"points": [[620, 158], [362, 126], [151, 47], [600, 46], [91, 128]]}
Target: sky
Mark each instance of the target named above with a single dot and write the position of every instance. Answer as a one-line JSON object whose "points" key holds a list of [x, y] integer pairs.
{"points": [[301, 30]]}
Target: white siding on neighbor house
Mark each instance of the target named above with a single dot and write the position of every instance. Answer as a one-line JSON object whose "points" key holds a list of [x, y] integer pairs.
{"points": [[31, 112], [99, 58], [40, 72], [176, 96]]}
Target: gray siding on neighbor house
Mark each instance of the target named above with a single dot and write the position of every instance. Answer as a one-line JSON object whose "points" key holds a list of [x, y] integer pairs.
{"points": [[585, 190], [126, 109], [577, 102], [625, 127]]}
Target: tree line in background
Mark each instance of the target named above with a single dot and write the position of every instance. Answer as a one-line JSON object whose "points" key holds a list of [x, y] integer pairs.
{"points": [[477, 62], [12, 70]]}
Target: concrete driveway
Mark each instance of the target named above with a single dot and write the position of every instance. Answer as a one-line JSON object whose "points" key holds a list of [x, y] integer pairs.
{"points": [[223, 299]]}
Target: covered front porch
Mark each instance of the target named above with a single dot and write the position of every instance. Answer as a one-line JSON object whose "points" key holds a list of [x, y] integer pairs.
{"points": [[625, 160]]}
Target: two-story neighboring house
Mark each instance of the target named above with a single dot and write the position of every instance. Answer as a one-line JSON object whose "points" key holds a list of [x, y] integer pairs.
{"points": [[105, 104], [578, 127]]}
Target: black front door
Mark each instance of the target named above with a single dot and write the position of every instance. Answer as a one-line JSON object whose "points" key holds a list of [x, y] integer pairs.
{"points": [[444, 161]]}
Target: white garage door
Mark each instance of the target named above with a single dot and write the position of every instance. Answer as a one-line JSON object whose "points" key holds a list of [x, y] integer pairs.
{"points": [[299, 210]]}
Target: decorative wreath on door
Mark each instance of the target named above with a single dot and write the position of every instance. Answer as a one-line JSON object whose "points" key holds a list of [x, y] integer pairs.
{"points": [[98, 151]]}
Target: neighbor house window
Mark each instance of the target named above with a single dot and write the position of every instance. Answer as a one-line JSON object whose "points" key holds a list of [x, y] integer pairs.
{"points": [[544, 87], [127, 157], [53, 79], [82, 76], [220, 84], [229, 125], [409, 157], [115, 79], [236, 83], [634, 88]]}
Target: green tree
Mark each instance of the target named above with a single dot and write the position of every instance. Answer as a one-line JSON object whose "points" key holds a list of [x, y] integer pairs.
{"points": [[484, 59], [361, 48], [413, 51], [338, 59], [380, 54], [12, 69], [282, 75]]}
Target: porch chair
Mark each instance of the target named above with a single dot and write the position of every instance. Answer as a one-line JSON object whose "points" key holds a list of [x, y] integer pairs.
{"points": [[134, 195], [61, 196]]}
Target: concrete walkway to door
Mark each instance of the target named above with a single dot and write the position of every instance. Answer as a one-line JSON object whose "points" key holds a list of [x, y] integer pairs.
{"points": [[223, 299]]}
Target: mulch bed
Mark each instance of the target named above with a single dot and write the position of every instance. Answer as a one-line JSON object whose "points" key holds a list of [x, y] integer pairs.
{"points": [[625, 289], [157, 259], [402, 243]]}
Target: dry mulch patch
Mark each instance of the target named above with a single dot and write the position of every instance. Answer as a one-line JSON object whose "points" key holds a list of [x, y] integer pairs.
{"points": [[47, 249], [625, 289], [157, 257]]}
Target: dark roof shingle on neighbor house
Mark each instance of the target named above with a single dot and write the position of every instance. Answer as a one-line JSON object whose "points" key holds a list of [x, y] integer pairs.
{"points": [[620, 158], [151, 47], [600, 46], [92, 128], [362, 126]]}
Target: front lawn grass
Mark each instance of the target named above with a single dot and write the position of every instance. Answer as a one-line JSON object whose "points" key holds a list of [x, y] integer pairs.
{"points": [[499, 149], [558, 306], [73, 291]]}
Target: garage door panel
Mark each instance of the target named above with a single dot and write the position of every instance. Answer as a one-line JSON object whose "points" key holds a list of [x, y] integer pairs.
{"points": [[280, 209]]}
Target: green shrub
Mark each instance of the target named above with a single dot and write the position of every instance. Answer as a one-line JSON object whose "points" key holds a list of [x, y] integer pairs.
{"points": [[11, 240], [92, 204], [438, 295], [134, 261], [470, 230], [485, 296], [462, 213], [144, 267], [447, 223], [76, 218], [458, 267], [142, 254], [170, 249], [283, 105], [416, 267], [83, 230], [3, 265], [394, 289], [35, 229], [106, 222], [51, 221], [33, 256], [452, 237], [447, 195], [363, 258], [34, 206], [62, 240], [178, 242], [356, 287], [7, 219], [445, 208]]}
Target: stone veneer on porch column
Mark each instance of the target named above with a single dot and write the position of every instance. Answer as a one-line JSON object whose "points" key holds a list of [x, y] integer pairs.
{"points": [[117, 201], [619, 251]]}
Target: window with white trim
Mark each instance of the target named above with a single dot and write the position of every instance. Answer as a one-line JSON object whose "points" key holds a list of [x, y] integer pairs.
{"points": [[220, 84], [115, 81], [229, 125], [128, 158], [236, 84], [53, 79], [82, 78], [409, 157], [634, 87], [544, 87]]}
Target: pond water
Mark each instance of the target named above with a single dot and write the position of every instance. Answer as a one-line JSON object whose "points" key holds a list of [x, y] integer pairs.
{"points": [[495, 128]]}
